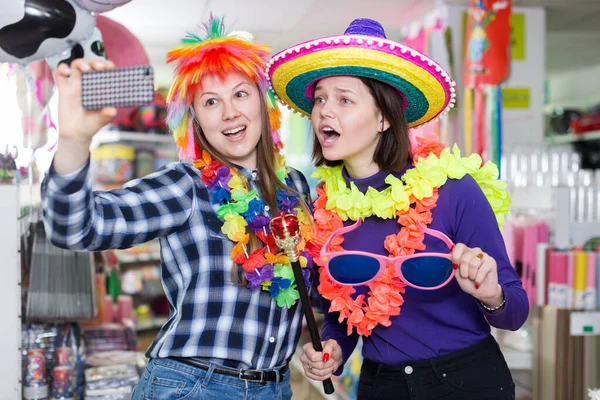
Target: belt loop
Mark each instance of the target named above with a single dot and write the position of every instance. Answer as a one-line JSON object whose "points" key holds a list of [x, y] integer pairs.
{"points": [[277, 381], [209, 372]]}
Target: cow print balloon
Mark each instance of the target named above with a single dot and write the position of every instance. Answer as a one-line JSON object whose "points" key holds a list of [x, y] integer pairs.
{"points": [[46, 28], [100, 6], [90, 49]]}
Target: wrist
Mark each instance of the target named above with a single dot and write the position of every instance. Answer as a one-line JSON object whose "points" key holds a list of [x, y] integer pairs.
{"points": [[73, 142], [494, 302], [71, 154]]}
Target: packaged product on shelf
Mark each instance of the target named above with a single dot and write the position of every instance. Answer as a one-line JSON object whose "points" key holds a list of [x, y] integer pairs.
{"points": [[144, 162], [63, 383], [110, 337], [111, 377], [53, 362], [113, 163], [163, 156], [35, 382]]}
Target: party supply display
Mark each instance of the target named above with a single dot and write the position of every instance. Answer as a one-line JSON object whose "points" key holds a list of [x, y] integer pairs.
{"points": [[113, 163], [65, 356], [35, 385], [63, 385], [43, 28], [433, 165], [363, 50]]}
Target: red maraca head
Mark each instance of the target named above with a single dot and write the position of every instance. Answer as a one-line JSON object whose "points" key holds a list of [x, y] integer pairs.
{"points": [[284, 225], [285, 230]]}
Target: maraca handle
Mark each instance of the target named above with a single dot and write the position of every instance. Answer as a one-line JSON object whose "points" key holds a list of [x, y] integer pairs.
{"points": [[316, 341], [328, 386]]}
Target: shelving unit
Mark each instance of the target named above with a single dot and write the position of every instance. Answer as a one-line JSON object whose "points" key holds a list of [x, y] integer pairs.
{"points": [[517, 360], [152, 258], [148, 253], [154, 323], [572, 138], [107, 136], [568, 233]]}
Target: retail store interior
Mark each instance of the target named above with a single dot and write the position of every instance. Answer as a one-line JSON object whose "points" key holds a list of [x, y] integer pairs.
{"points": [[78, 324]]}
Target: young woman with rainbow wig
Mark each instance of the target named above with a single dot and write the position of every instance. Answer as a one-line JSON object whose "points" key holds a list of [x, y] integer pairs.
{"points": [[235, 318], [388, 217]]}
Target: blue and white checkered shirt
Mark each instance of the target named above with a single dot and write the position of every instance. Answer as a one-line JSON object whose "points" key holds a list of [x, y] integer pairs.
{"points": [[211, 316]]}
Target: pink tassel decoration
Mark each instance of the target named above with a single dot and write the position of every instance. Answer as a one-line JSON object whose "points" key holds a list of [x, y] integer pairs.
{"points": [[193, 152]]}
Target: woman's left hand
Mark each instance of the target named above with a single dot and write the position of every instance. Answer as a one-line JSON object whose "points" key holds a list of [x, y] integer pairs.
{"points": [[477, 274]]}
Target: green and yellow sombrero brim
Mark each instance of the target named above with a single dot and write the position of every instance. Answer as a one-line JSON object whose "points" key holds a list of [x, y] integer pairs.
{"points": [[426, 87]]}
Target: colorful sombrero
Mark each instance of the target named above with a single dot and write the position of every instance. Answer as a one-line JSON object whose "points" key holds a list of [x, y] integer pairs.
{"points": [[362, 50]]}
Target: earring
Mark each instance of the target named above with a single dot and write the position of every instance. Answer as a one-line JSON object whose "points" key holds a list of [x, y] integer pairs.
{"points": [[381, 127]]}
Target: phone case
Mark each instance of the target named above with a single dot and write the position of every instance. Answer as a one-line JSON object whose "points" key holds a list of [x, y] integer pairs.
{"points": [[118, 87]]}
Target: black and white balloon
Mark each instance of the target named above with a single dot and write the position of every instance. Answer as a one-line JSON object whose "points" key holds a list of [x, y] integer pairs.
{"points": [[90, 49], [100, 6], [36, 29]]}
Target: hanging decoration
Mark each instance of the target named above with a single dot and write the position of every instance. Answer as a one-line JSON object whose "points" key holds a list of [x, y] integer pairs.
{"points": [[486, 65]]}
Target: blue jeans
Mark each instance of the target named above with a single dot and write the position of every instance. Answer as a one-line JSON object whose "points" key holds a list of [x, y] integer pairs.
{"points": [[169, 379]]}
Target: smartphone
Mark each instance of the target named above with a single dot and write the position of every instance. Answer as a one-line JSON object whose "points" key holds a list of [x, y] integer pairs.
{"points": [[118, 87]]}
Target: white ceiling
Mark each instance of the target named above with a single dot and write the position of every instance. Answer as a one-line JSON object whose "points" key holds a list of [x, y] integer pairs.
{"points": [[573, 32]]}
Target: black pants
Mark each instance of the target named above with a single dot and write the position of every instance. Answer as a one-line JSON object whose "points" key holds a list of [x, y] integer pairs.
{"points": [[477, 372]]}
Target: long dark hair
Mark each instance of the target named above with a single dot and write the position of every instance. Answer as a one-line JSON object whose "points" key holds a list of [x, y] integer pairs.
{"points": [[393, 150]]}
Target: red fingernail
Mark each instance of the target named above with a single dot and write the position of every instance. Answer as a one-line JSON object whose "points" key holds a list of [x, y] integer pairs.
{"points": [[454, 265], [476, 286], [325, 357]]}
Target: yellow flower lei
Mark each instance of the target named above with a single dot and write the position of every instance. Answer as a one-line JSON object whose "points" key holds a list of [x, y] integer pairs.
{"points": [[338, 202]]}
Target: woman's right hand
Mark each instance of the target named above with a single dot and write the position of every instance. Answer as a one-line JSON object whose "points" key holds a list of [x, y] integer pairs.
{"points": [[321, 365], [76, 123]]}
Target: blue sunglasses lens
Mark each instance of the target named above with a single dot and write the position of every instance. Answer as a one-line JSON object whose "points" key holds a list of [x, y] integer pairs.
{"points": [[353, 269], [427, 272]]}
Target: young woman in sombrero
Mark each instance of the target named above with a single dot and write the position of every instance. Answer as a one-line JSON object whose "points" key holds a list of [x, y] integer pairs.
{"points": [[410, 251], [235, 320]]}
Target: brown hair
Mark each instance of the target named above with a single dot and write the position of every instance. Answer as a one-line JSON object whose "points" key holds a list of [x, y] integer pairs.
{"points": [[393, 150], [267, 180]]}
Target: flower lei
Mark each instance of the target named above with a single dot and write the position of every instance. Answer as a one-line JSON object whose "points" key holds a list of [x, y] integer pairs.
{"points": [[433, 165], [241, 209]]}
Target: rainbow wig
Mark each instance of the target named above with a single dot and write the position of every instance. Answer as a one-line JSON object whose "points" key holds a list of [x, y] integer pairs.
{"points": [[220, 52]]}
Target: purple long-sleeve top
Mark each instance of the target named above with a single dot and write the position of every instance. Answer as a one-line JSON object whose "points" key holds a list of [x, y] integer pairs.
{"points": [[437, 322]]}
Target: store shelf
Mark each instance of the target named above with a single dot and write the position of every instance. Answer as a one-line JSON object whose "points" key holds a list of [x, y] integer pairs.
{"points": [[153, 257], [571, 138], [517, 359], [106, 136], [154, 323]]}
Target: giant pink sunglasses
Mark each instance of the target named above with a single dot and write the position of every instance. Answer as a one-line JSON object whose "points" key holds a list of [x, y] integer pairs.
{"points": [[425, 271]]}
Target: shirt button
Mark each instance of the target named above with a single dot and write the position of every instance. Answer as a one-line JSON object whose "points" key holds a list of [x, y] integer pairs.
{"points": [[408, 370], [271, 339], [254, 175]]}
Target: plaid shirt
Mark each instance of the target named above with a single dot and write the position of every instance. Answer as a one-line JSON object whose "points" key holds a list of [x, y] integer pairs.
{"points": [[211, 316]]}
